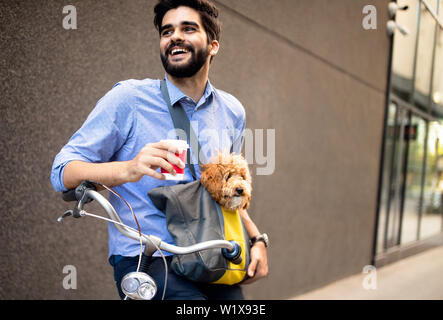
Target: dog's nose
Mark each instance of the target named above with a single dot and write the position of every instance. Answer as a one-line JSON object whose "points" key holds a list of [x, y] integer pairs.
{"points": [[239, 190]]}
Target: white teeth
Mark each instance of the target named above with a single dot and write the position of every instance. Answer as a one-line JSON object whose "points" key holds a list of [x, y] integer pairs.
{"points": [[174, 51]]}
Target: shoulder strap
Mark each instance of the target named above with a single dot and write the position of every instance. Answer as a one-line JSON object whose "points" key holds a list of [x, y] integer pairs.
{"points": [[181, 121]]}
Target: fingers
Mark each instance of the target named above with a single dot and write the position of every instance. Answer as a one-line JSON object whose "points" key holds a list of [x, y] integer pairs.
{"points": [[255, 272], [161, 150], [258, 267], [252, 267], [258, 270], [149, 164], [154, 156], [262, 271], [154, 174], [166, 145]]}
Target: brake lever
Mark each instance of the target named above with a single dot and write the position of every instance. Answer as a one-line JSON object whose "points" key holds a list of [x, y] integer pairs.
{"points": [[64, 215], [77, 212]]}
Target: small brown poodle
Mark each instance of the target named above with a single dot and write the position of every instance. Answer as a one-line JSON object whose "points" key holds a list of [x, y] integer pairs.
{"points": [[228, 181]]}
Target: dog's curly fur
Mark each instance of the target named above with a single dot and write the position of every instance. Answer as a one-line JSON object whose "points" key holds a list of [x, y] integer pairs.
{"points": [[228, 180]]}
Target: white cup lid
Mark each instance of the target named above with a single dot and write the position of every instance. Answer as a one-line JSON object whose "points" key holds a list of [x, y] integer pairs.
{"points": [[181, 144]]}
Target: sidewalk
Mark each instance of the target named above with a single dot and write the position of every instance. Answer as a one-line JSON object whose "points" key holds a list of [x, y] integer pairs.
{"points": [[415, 278]]}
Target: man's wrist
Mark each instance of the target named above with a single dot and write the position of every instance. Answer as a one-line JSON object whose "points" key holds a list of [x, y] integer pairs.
{"points": [[259, 244], [127, 172], [263, 238]]}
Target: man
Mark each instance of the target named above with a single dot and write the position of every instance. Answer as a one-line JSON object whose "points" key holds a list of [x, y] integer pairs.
{"points": [[119, 146]]}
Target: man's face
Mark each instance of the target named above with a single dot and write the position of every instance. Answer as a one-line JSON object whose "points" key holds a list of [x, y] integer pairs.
{"points": [[184, 45]]}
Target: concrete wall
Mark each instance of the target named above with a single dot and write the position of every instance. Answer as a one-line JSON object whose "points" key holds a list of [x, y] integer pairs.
{"points": [[305, 68]]}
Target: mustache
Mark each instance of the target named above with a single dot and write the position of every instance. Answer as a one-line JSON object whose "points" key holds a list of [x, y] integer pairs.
{"points": [[179, 44]]}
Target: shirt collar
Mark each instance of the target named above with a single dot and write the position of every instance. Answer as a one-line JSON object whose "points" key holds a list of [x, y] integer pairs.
{"points": [[176, 94]]}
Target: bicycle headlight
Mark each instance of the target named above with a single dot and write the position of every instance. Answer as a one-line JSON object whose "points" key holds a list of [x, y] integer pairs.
{"points": [[138, 286], [147, 290], [130, 285]]}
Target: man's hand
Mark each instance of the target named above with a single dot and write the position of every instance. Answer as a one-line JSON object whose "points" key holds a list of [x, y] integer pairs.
{"points": [[258, 268], [150, 158]]}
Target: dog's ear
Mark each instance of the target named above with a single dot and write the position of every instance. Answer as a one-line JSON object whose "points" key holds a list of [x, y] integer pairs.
{"points": [[204, 173], [212, 180], [210, 175], [244, 171]]}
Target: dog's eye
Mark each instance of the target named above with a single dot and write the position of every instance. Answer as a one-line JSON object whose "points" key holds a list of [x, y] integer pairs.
{"points": [[228, 177]]}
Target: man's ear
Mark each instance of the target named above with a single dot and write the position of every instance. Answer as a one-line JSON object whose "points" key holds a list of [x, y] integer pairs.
{"points": [[214, 46]]}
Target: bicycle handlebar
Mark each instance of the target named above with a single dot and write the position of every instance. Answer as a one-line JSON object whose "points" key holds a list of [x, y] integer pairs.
{"points": [[86, 193], [77, 193]]}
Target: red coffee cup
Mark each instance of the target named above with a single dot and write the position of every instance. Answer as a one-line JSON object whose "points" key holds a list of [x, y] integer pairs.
{"points": [[182, 147]]}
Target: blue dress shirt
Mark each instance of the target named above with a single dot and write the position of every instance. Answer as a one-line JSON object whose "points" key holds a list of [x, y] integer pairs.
{"points": [[132, 114]]}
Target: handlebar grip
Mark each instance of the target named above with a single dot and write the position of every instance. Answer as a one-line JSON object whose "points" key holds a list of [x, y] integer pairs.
{"points": [[234, 255], [69, 195], [237, 260], [77, 193]]}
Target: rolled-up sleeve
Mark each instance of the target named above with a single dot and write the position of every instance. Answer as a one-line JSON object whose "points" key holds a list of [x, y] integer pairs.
{"points": [[102, 134]]}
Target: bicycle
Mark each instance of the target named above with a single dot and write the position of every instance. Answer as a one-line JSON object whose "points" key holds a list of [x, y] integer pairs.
{"points": [[138, 285]]}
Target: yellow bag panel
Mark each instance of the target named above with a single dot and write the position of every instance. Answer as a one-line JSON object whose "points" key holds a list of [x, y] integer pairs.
{"points": [[234, 231]]}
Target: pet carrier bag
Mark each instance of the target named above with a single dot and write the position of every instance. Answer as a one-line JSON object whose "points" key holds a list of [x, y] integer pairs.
{"points": [[193, 216]]}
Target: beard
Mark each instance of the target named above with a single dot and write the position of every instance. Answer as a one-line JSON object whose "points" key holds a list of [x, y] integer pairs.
{"points": [[197, 60]]}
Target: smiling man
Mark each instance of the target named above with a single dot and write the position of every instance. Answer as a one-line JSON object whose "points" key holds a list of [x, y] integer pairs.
{"points": [[119, 143]]}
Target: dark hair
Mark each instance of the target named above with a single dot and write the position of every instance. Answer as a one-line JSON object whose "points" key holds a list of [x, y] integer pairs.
{"points": [[207, 10]]}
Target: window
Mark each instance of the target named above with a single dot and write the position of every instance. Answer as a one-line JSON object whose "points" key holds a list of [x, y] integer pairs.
{"points": [[416, 134], [437, 92], [388, 187], [424, 58], [403, 54], [411, 186]]}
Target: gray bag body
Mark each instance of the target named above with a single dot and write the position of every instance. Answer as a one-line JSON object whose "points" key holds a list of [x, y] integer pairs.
{"points": [[192, 216]]}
